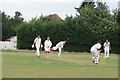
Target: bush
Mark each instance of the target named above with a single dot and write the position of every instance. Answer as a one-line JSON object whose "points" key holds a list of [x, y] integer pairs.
{"points": [[78, 33]]}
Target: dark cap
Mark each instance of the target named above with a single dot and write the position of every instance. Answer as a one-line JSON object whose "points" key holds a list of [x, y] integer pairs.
{"points": [[98, 41]]}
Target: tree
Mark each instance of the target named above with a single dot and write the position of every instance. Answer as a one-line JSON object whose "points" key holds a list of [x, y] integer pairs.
{"points": [[102, 5], [118, 17], [9, 24], [100, 22], [16, 20], [6, 29], [86, 3]]}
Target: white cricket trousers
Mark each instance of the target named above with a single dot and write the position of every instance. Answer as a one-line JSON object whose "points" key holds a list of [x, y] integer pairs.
{"points": [[60, 49], [106, 52], [95, 56], [37, 50]]}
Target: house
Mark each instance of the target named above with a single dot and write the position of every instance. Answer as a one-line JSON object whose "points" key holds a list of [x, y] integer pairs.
{"points": [[54, 16], [10, 43], [12, 39]]}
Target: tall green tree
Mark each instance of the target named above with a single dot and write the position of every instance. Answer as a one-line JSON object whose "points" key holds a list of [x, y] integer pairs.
{"points": [[9, 24], [16, 20], [86, 3], [6, 26], [100, 22]]}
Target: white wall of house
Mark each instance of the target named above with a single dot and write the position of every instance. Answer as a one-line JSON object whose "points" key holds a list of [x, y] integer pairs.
{"points": [[8, 45]]}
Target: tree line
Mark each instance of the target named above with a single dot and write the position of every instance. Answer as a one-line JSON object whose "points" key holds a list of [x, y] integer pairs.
{"points": [[92, 23]]}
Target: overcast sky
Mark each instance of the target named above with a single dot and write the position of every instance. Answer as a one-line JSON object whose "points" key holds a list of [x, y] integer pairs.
{"points": [[33, 8]]}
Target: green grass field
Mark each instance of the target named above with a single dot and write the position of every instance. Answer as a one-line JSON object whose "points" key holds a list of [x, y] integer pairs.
{"points": [[24, 64]]}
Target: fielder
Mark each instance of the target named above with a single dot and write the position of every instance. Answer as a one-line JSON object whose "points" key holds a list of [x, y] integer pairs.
{"points": [[47, 46], [106, 49], [59, 46], [37, 43], [95, 50]]}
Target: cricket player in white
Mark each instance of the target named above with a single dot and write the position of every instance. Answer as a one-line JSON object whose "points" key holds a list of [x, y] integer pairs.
{"points": [[47, 46], [95, 50], [59, 46], [106, 49], [37, 43]]}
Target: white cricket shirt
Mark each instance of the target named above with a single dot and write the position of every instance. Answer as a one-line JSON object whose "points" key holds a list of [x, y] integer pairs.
{"points": [[95, 47], [37, 41], [106, 45], [60, 44], [48, 43]]}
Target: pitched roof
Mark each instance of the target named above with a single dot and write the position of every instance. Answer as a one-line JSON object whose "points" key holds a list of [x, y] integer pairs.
{"points": [[54, 16], [10, 38]]}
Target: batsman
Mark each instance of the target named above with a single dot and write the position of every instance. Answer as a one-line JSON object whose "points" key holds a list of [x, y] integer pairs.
{"points": [[95, 50]]}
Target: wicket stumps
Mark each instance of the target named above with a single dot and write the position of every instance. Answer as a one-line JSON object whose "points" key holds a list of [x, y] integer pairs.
{"points": [[102, 59]]}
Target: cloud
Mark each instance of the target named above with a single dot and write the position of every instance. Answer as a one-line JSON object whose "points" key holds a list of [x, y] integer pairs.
{"points": [[41, 0], [32, 8], [111, 0], [10, 1]]}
